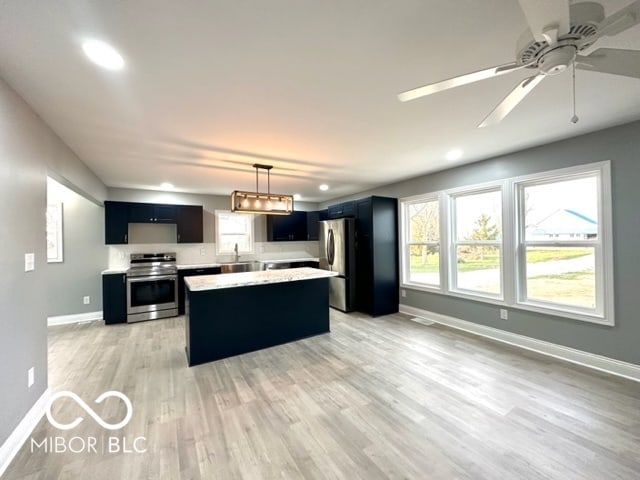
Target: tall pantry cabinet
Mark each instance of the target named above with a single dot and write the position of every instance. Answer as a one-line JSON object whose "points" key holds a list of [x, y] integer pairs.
{"points": [[377, 279]]}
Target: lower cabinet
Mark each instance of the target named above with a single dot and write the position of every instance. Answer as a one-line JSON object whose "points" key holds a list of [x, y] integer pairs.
{"points": [[304, 263], [114, 298], [191, 272]]}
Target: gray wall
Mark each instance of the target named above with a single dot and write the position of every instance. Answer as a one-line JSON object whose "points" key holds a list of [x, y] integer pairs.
{"points": [[620, 145], [28, 151], [85, 256]]}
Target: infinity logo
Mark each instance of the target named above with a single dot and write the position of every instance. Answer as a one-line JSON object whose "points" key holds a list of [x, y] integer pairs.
{"points": [[89, 410]]}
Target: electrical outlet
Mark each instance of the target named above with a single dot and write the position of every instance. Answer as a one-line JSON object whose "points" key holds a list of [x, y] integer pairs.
{"points": [[29, 262], [86, 300], [403, 292], [203, 252], [122, 256], [504, 314], [30, 377]]}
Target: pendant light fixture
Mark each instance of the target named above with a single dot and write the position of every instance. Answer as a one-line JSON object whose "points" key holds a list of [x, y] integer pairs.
{"points": [[256, 202]]}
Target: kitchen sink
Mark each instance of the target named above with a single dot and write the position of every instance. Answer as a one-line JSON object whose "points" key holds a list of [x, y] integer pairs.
{"points": [[235, 267]]}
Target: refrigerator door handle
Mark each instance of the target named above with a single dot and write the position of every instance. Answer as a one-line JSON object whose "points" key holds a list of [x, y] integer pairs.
{"points": [[331, 247]]}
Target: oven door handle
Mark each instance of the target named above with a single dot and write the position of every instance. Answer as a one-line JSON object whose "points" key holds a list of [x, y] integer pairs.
{"points": [[150, 279]]}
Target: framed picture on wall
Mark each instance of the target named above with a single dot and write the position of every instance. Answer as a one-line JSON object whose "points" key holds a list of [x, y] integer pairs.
{"points": [[54, 233]]}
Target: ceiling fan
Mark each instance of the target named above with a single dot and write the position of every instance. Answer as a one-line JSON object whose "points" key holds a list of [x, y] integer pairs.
{"points": [[557, 34]]}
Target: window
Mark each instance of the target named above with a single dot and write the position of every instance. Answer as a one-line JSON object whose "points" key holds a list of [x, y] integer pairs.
{"points": [[476, 243], [561, 251], [233, 229], [540, 242], [423, 248]]}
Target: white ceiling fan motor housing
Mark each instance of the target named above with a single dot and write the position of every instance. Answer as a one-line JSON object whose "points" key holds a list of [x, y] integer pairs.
{"points": [[585, 17], [557, 60]]}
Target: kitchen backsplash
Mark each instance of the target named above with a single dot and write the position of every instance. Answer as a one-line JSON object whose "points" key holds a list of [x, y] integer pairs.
{"points": [[202, 253]]}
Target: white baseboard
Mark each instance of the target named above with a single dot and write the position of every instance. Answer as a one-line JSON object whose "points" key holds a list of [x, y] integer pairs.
{"points": [[75, 318], [12, 445], [591, 360]]}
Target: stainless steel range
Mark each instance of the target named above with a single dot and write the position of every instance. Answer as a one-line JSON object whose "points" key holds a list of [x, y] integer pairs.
{"points": [[152, 286]]}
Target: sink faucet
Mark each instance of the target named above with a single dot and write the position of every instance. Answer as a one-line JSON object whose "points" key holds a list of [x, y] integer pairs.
{"points": [[235, 249]]}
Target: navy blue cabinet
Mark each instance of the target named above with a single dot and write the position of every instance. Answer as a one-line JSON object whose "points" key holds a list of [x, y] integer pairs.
{"points": [[287, 228], [189, 220], [377, 269], [116, 223], [342, 210], [312, 225], [114, 298], [152, 213], [191, 272], [118, 215]]}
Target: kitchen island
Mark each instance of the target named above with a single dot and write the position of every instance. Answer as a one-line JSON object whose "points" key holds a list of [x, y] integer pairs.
{"points": [[235, 313]]}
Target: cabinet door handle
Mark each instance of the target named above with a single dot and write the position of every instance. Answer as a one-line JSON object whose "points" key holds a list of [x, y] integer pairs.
{"points": [[178, 237], [125, 238], [124, 279]]}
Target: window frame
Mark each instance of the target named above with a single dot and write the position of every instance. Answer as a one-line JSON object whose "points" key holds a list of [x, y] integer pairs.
{"points": [[454, 243], [405, 253], [512, 253], [603, 313], [250, 219]]}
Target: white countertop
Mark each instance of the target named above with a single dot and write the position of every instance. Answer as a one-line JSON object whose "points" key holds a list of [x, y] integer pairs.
{"points": [[210, 265], [198, 265], [115, 270], [245, 279]]}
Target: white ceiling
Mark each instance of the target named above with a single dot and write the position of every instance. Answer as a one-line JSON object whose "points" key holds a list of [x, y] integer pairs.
{"points": [[211, 87]]}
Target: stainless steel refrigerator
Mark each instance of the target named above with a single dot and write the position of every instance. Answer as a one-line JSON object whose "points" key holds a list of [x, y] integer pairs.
{"points": [[337, 254]]}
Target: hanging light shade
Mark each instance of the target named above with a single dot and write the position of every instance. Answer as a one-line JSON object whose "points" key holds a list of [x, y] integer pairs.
{"points": [[257, 202]]}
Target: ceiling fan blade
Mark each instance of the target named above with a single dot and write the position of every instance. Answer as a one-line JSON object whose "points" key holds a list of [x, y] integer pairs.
{"points": [[547, 19], [510, 101], [619, 21], [458, 81], [615, 23], [611, 60]]}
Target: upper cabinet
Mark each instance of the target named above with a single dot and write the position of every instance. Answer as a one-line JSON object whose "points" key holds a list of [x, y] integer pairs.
{"points": [[118, 215], [342, 210], [283, 228], [116, 222], [189, 220], [152, 213], [299, 226]]}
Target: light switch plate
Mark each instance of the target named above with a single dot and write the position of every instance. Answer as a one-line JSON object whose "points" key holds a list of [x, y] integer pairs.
{"points": [[29, 262]]}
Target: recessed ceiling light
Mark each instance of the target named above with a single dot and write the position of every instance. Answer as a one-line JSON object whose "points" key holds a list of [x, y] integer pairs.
{"points": [[324, 187], [297, 196], [103, 54], [454, 154], [166, 186]]}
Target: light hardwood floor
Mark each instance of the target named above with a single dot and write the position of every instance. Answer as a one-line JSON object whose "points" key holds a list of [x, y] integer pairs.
{"points": [[375, 398]]}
